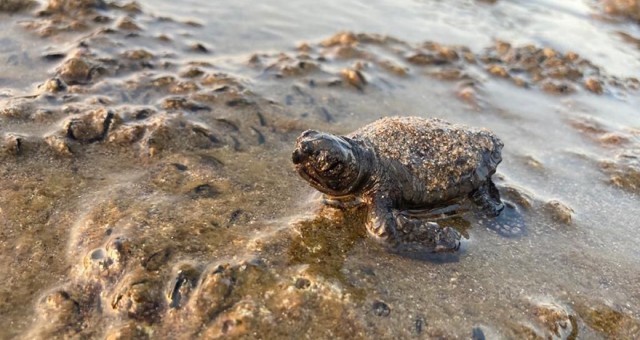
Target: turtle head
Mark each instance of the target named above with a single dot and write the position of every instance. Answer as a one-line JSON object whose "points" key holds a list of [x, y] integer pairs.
{"points": [[329, 163]]}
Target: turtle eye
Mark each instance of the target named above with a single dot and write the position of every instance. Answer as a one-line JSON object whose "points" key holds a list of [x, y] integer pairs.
{"points": [[326, 164], [332, 167]]}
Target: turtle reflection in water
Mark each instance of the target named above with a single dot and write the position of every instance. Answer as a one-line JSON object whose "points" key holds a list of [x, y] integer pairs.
{"points": [[405, 169]]}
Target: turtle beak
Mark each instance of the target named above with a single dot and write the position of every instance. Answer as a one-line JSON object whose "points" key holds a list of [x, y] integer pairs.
{"points": [[303, 146], [301, 152], [298, 156]]}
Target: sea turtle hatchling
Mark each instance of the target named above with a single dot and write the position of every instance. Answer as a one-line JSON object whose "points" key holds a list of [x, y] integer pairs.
{"points": [[396, 165]]}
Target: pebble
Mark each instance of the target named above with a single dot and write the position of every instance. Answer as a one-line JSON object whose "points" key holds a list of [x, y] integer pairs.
{"points": [[90, 127], [58, 144], [593, 85], [559, 211], [302, 283], [75, 70], [11, 145], [126, 23], [354, 78], [381, 309]]}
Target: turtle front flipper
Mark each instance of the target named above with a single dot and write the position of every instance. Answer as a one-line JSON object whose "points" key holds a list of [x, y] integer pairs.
{"points": [[400, 231], [381, 221], [426, 234]]}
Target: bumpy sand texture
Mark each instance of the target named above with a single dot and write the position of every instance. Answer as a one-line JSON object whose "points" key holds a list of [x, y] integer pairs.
{"points": [[145, 190]]}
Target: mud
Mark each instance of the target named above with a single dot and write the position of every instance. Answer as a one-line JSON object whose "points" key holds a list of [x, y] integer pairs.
{"points": [[146, 188]]}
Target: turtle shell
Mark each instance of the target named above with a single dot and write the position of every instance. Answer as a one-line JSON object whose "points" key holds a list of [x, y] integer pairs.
{"points": [[448, 159]]}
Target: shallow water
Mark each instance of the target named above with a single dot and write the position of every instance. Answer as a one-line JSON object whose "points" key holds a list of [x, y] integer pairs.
{"points": [[184, 218]]}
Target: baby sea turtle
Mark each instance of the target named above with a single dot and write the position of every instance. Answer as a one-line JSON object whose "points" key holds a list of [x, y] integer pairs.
{"points": [[400, 165]]}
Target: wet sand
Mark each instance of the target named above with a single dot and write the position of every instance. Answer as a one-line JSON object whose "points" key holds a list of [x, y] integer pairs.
{"points": [[147, 188]]}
